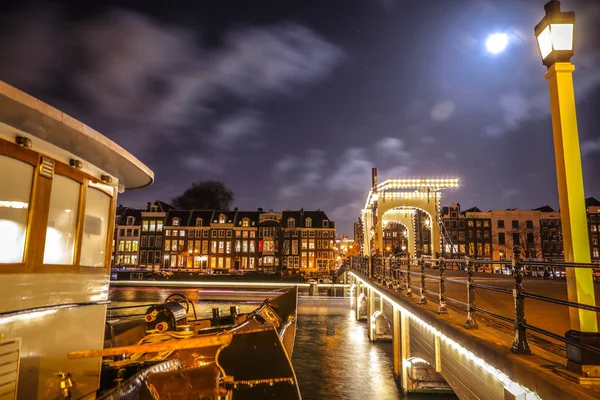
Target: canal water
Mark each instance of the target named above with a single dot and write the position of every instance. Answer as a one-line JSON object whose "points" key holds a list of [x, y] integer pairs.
{"points": [[333, 357]]}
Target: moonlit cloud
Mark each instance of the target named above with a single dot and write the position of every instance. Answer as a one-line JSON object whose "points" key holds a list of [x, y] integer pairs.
{"points": [[138, 78], [442, 111]]}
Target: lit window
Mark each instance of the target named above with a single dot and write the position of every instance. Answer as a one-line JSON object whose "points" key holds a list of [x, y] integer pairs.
{"points": [[308, 223], [175, 221], [152, 226], [159, 226], [95, 228], [222, 218], [16, 178], [199, 221], [245, 222], [62, 221], [269, 246], [145, 225]]}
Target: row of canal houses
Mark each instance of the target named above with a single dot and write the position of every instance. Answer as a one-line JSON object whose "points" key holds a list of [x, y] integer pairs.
{"points": [[160, 237]]}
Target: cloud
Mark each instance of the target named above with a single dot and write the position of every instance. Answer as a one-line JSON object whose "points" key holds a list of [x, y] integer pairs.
{"points": [[511, 192], [146, 83], [234, 129], [391, 148], [450, 155], [310, 173], [442, 111], [278, 59], [589, 147], [286, 164], [353, 171], [519, 106]]}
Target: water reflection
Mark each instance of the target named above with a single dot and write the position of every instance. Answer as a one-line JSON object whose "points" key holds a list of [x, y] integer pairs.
{"points": [[333, 359]]}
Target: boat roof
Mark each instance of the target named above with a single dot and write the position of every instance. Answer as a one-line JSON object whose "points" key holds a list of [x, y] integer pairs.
{"points": [[41, 120]]}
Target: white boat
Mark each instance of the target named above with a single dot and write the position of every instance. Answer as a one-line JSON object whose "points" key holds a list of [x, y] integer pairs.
{"points": [[59, 182]]}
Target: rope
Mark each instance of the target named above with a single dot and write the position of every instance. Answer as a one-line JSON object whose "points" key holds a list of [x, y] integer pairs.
{"points": [[153, 336]]}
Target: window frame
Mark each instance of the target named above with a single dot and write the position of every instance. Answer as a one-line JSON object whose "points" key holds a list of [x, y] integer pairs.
{"points": [[39, 205]]}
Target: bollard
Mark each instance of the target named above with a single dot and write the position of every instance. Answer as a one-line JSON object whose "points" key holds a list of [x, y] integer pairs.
{"points": [[313, 289], [423, 299], [442, 295], [520, 345], [408, 279], [471, 322]]}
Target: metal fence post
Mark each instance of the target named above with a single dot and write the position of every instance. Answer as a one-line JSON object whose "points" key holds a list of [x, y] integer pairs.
{"points": [[408, 280], [471, 322], [520, 345], [442, 308], [423, 299]]}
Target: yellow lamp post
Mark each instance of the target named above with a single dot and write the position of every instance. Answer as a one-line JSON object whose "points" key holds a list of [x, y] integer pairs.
{"points": [[555, 38]]}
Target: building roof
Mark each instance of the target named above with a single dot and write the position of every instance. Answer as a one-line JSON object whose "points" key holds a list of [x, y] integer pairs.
{"points": [[124, 212], [591, 202], [300, 217], [40, 120], [162, 206], [253, 217], [182, 215], [229, 216], [545, 208], [205, 215]]}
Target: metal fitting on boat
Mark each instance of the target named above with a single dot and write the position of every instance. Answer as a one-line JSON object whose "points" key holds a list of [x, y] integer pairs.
{"points": [[162, 326]]}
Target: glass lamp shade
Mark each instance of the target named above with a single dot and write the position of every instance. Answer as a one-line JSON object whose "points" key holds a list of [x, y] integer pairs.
{"points": [[555, 34]]}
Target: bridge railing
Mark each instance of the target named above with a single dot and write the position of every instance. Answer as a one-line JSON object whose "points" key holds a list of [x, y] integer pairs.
{"points": [[398, 274]]}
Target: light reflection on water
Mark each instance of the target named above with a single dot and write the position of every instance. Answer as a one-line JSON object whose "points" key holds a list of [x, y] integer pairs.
{"points": [[333, 357]]}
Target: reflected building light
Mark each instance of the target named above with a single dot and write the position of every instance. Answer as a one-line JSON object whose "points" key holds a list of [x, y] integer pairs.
{"points": [[54, 252], [12, 243], [13, 204], [67, 210], [25, 317]]}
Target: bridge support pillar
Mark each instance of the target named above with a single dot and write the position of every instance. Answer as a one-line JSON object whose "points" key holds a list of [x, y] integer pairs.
{"points": [[357, 292], [370, 311], [401, 348]]}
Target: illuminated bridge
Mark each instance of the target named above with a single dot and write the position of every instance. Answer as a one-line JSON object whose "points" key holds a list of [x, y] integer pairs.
{"points": [[483, 351]]}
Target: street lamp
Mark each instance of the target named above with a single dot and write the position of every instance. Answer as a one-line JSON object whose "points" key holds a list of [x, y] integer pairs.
{"points": [[555, 38]]}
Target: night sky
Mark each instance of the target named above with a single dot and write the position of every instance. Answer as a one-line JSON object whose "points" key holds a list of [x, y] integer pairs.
{"points": [[291, 103]]}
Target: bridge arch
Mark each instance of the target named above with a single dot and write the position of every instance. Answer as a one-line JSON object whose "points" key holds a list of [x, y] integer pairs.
{"points": [[423, 194], [407, 216]]}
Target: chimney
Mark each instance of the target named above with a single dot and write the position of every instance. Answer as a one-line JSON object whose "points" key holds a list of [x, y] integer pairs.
{"points": [[259, 209], [235, 209]]}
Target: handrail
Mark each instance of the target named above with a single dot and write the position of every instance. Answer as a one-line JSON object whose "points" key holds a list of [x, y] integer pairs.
{"points": [[397, 273]]}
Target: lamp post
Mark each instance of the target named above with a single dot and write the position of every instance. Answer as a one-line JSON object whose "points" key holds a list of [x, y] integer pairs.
{"points": [[555, 38]]}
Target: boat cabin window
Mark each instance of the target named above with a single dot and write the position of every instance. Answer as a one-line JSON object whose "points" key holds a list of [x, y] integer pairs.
{"points": [[62, 221], [95, 228], [16, 178]]}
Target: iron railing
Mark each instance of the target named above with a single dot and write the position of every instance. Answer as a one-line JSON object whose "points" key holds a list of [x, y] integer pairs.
{"points": [[397, 273]]}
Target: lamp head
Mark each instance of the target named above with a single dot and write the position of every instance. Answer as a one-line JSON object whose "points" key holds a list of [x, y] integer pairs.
{"points": [[555, 34]]}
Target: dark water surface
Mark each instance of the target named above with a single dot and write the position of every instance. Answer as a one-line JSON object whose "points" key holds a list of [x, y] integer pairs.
{"points": [[333, 357]]}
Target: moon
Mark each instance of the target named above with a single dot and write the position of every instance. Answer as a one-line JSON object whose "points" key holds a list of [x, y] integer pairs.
{"points": [[496, 43]]}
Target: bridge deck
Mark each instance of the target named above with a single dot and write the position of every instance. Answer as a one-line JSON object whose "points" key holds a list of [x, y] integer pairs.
{"points": [[542, 372]]}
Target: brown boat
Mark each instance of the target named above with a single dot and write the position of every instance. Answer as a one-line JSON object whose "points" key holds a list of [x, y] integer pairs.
{"points": [[239, 356]]}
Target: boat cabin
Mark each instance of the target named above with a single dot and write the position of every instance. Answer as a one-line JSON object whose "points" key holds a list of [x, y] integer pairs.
{"points": [[59, 181]]}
